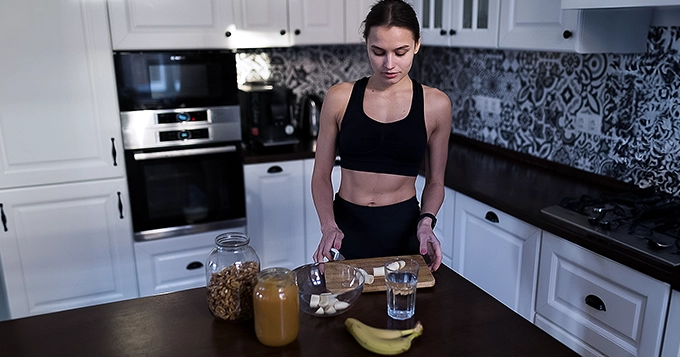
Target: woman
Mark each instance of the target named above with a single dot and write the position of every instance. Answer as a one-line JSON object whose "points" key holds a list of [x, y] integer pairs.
{"points": [[384, 126]]}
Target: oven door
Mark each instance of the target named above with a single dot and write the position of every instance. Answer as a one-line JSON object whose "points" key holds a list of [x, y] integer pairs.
{"points": [[184, 190]]}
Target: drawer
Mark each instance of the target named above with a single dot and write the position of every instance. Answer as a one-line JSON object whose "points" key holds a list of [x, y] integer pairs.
{"points": [[173, 264], [597, 306]]}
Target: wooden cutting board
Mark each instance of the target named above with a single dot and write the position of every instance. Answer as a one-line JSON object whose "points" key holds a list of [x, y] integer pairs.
{"points": [[425, 278]]}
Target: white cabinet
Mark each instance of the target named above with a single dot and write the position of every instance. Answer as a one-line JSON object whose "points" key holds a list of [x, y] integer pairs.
{"points": [[312, 226], [260, 23], [58, 110], [276, 213], [496, 252], [173, 264], [316, 22], [282, 23], [66, 246], [671, 341], [200, 24], [598, 4], [464, 23], [171, 24], [445, 220], [543, 25], [67, 240], [355, 13], [596, 306]]}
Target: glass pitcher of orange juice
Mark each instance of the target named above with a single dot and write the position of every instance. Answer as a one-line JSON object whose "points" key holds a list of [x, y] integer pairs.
{"points": [[276, 307]]}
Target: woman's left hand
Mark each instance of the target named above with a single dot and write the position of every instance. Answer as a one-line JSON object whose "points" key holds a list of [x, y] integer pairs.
{"points": [[429, 245]]}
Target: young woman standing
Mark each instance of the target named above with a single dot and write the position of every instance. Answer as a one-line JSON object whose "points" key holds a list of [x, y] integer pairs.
{"points": [[384, 127]]}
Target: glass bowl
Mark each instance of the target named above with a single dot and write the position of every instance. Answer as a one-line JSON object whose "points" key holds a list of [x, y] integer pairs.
{"points": [[328, 289]]}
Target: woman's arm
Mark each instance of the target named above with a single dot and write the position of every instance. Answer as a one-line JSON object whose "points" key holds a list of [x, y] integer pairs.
{"points": [[438, 117], [332, 110]]}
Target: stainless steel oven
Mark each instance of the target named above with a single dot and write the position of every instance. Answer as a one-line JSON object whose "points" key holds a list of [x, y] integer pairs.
{"points": [[184, 170]]}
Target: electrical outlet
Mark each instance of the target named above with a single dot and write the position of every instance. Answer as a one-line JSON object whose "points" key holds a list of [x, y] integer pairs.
{"points": [[488, 104], [588, 123]]}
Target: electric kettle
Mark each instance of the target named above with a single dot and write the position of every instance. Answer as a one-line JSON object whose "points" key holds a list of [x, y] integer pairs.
{"points": [[310, 110]]}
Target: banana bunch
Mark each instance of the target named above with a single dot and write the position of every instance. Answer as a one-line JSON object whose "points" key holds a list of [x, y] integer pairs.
{"points": [[382, 341]]}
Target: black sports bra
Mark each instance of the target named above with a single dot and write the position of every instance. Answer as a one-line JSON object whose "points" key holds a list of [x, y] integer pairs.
{"points": [[392, 148]]}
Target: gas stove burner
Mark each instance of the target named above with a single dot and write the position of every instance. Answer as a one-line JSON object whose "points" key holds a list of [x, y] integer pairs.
{"points": [[644, 220]]}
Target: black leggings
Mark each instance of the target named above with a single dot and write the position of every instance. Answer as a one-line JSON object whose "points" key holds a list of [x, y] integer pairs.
{"points": [[377, 231]]}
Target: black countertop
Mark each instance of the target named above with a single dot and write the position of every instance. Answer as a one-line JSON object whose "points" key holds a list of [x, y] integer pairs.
{"points": [[179, 324], [519, 185]]}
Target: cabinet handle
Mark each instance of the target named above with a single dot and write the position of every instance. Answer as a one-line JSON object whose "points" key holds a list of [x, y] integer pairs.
{"points": [[297, 31], [3, 217], [442, 32], [120, 206], [452, 32], [595, 302], [113, 151], [567, 34], [194, 265], [282, 32], [227, 34], [491, 217], [274, 169]]}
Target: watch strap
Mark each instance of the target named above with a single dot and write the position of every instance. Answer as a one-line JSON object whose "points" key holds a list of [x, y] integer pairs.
{"points": [[428, 215]]}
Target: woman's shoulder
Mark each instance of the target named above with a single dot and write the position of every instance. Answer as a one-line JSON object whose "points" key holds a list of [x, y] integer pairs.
{"points": [[340, 89], [435, 98], [339, 93]]}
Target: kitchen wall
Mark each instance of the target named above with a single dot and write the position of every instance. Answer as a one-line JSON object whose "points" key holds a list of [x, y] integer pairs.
{"points": [[541, 93]]}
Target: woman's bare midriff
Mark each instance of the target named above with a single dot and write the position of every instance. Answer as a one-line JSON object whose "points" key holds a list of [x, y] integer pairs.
{"points": [[375, 189]]}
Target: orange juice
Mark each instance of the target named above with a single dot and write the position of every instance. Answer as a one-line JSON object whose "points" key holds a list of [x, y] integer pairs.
{"points": [[276, 307]]}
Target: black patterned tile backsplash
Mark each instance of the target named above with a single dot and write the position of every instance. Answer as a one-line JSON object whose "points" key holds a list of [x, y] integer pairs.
{"points": [[542, 96]]}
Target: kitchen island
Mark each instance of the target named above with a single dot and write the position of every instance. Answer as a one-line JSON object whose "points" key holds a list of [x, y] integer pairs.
{"points": [[459, 320]]}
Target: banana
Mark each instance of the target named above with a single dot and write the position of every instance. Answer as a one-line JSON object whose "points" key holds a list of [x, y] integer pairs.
{"points": [[399, 341], [379, 332]]}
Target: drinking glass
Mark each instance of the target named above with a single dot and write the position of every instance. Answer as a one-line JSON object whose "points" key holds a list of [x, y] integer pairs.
{"points": [[401, 281]]}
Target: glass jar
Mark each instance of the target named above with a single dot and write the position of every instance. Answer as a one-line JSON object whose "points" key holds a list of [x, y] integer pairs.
{"points": [[231, 273], [277, 307]]}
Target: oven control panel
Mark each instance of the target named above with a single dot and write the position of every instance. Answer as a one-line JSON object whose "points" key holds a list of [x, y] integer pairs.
{"points": [[182, 117]]}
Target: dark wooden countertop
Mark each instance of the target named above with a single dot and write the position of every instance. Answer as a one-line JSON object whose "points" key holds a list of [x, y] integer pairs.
{"points": [[519, 185], [459, 320]]}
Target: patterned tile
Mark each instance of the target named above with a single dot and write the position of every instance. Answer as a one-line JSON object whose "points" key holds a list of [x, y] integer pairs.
{"points": [[541, 93]]}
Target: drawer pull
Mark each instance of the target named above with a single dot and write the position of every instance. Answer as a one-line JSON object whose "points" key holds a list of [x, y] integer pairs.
{"points": [[194, 265], [274, 169], [595, 302], [491, 217]]}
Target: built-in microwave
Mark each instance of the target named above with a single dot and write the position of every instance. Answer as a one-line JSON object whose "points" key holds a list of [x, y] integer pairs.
{"points": [[175, 79]]}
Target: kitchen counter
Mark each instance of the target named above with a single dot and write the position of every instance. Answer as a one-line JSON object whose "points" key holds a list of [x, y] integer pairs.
{"points": [[459, 319], [517, 184]]}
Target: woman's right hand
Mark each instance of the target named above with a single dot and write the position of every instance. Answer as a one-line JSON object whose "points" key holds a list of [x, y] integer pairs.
{"points": [[330, 238]]}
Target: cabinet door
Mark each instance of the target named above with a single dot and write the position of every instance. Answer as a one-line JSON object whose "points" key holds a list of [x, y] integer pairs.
{"points": [[671, 341], [597, 306], [67, 246], [312, 226], [460, 23], [355, 13], [275, 212], [537, 24], [170, 24], [58, 111], [260, 23], [497, 252], [543, 25], [435, 21], [445, 220], [173, 264], [317, 22]]}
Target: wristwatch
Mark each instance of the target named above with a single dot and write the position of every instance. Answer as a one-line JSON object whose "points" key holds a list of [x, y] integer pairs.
{"points": [[429, 215]]}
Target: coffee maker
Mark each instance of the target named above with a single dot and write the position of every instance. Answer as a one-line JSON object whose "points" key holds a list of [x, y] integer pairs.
{"points": [[267, 115]]}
